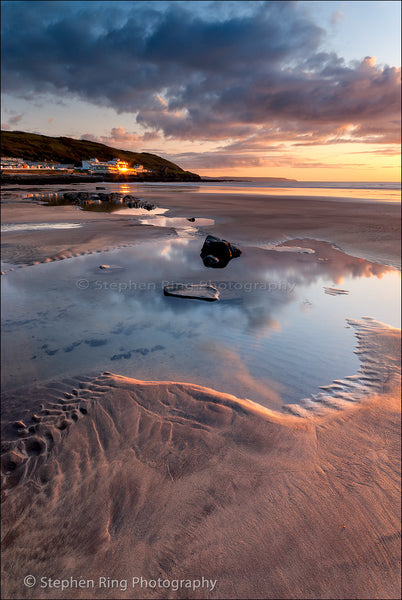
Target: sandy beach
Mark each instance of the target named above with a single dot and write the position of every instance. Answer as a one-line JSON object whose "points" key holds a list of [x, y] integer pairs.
{"points": [[358, 228], [201, 300], [116, 477], [177, 482]]}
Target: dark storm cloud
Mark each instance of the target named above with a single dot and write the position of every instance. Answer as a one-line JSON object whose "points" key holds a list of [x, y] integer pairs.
{"points": [[256, 71]]}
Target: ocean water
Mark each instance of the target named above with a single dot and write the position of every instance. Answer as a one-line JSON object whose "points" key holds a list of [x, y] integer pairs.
{"points": [[374, 191], [363, 185]]}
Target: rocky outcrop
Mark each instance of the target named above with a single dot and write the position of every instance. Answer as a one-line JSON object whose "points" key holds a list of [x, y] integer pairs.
{"points": [[217, 253], [112, 200]]}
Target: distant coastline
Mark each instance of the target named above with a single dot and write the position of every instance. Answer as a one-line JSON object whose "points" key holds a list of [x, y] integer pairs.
{"points": [[250, 178]]}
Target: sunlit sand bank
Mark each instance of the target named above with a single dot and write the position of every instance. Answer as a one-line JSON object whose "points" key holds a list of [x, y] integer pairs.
{"points": [[126, 478]]}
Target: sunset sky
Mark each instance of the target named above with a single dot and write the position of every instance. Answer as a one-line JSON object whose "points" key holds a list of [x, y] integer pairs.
{"points": [[305, 90]]}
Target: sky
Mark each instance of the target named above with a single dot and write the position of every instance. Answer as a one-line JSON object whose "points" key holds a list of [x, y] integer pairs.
{"points": [[302, 90]]}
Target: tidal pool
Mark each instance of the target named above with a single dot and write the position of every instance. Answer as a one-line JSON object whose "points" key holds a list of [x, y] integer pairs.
{"points": [[274, 337]]}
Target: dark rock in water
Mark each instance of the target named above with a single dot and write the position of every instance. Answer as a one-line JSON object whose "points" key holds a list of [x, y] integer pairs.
{"points": [[71, 196], [83, 196], [192, 219], [111, 200], [19, 425], [212, 261], [99, 188], [188, 290], [103, 197], [217, 253]]}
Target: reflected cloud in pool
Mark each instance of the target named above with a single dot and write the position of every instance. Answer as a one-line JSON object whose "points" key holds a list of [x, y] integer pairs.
{"points": [[274, 336]]}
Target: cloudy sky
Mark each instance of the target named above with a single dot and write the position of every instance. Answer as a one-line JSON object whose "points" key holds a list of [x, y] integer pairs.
{"points": [[307, 90]]}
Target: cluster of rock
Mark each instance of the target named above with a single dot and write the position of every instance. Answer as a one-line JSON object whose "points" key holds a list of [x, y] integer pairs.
{"points": [[85, 198]]}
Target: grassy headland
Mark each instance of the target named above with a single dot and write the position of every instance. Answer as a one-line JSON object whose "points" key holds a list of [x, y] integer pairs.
{"points": [[34, 147]]}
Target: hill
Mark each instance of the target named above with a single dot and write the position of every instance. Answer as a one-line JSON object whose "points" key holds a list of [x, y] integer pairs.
{"points": [[34, 147]]}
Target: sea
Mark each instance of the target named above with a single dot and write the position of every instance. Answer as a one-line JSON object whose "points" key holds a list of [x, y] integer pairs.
{"points": [[384, 191]]}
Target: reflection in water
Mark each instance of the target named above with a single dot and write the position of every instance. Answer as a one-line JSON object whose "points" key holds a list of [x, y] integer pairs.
{"points": [[182, 224], [96, 202], [274, 335], [37, 226]]}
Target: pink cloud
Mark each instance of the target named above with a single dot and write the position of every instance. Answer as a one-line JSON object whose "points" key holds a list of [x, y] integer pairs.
{"points": [[121, 138], [16, 119]]}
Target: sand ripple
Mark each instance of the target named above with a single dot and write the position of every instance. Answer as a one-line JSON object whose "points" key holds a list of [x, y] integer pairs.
{"points": [[122, 478]]}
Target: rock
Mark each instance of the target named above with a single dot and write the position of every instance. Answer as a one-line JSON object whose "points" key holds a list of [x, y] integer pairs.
{"points": [[212, 261], [19, 425], [104, 267], [188, 290], [217, 253], [146, 205], [99, 188], [71, 196], [192, 219], [83, 196], [116, 198]]}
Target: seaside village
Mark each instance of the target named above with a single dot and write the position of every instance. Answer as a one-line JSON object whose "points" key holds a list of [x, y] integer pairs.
{"points": [[91, 166]]}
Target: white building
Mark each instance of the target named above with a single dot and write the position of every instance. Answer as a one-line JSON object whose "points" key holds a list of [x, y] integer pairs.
{"points": [[93, 165], [18, 164]]}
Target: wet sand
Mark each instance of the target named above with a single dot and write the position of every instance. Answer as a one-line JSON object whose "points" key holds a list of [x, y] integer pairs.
{"points": [[126, 478], [98, 232], [122, 478], [368, 230]]}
